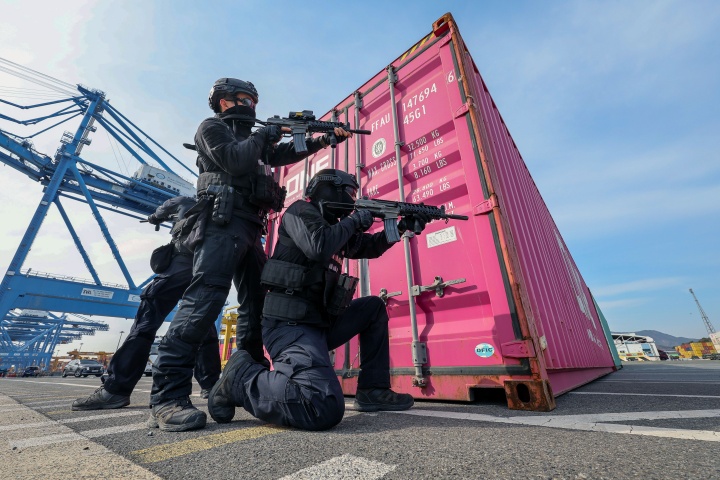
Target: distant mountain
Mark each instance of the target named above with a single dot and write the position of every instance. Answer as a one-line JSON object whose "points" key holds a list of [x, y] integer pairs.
{"points": [[665, 341]]}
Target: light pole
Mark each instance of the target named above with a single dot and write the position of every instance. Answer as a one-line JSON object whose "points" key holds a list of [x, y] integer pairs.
{"points": [[118, 345]]}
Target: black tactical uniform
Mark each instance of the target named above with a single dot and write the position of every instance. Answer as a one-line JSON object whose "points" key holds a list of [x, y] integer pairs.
{"points": [[157, 300], [308, 312], [235, 179]]}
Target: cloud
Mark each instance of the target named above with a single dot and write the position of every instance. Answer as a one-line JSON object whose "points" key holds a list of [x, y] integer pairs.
{"points": [[622, 305], [649, 284]]}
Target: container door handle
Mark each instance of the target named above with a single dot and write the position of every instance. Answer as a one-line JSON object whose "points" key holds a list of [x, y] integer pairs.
{"points": [[438, 285]]}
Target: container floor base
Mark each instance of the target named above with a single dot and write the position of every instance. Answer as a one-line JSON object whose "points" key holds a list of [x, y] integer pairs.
{"points": [[519, 391]]}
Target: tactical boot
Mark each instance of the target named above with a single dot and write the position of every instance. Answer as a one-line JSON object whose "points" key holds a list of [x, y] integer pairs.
{"points": [[101, 399], [376, 399], [205, 393], [221, 403], [177, 415], [152, 421]]}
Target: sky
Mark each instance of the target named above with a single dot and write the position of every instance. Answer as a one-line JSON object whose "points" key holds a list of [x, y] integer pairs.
{"points": [[614, 106]]}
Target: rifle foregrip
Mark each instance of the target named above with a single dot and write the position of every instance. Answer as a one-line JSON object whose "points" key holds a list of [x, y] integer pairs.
{"points": [[391, 232]]}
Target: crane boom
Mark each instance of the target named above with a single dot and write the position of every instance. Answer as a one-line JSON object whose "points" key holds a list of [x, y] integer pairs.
{"points": [[708, 326]]}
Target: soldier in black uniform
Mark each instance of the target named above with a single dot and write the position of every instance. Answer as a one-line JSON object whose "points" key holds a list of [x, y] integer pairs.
{"points": [[237, 184], [308, 311], [157, 300]]}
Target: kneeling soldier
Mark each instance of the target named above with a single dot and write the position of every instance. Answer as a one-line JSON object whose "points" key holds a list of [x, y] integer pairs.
{"points": [[308, 311]]}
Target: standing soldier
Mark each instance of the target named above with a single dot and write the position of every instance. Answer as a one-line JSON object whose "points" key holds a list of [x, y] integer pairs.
{"points": [[157, 300]]}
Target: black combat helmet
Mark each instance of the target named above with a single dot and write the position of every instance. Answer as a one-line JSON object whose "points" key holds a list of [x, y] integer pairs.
{"points": [[334, 190], [337, 178], [229, 87]]}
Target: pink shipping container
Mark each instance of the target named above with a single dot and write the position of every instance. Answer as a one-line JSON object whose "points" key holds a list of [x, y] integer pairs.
{"points": [[493, 302]]}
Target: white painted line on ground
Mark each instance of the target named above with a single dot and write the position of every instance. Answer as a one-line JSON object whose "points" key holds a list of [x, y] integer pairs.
{"points": [[64, 421], [19, 426], [63, 384], [703, 435], [126, 413], [46, 440], [70, 437], [645, 394], [591, 422], [101, 432], [343, 467], [616, 417], [12, 408], [48, 403]]}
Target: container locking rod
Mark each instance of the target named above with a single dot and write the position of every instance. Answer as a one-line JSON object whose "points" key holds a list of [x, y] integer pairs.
{"points": [[384, 295], [438, 285]]}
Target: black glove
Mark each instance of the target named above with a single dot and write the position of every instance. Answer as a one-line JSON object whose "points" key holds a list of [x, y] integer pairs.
{"points": [[271, 133], [154, 220], [415, 222], [327, 139], [363, 219]]}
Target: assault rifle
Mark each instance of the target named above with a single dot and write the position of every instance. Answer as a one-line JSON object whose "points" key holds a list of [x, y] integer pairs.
{"points": [[390, 211], [302, 123]]}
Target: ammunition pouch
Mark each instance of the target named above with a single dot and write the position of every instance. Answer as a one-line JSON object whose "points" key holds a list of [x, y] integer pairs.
{"points": [[289, 307], [341, 295], [267, 193], [161, 258], [253, 191], [289, 276], [290, 297], [192, 230], [223, 203]]}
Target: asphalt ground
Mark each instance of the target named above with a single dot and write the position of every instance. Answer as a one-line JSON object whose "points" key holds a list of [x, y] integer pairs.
{"points": [[649, 420]]}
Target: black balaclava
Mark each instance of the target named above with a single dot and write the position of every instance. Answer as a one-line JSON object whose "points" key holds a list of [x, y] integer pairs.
{"points": [[240, 117]]}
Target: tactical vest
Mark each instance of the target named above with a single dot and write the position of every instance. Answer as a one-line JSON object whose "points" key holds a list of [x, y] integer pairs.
{"points": [[312, 294], [253, 191]]}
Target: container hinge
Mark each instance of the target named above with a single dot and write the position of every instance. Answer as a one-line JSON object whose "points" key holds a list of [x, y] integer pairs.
{"points": [[419, 353], [486, 206], [384, 295], [392, 77], [518, 349], [438, 285]]}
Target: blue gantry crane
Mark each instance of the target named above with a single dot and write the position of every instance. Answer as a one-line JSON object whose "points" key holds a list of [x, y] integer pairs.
{"points": [[31, 336], [67, 176]]}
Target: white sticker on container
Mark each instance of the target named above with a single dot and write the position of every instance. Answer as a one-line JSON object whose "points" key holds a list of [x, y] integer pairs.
{"points": [[93, 292], [378, 147], [484, 350], [134, 298], [441, 237]]}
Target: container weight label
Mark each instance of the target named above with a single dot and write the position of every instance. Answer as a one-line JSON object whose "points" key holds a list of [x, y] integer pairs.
{"points": [[441, 237]]}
